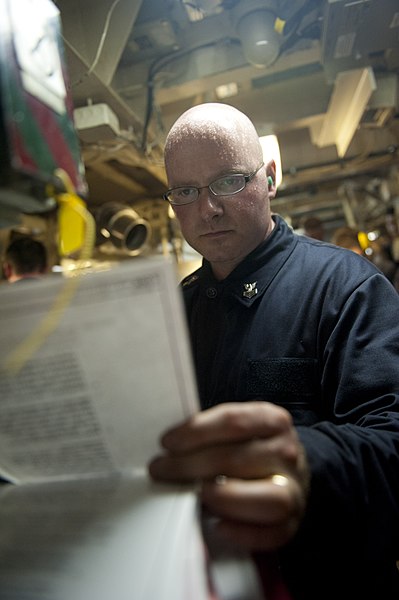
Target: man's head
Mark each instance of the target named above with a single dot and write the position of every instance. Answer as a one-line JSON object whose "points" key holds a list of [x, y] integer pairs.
{"points": [[24, 258], [208, 142]]}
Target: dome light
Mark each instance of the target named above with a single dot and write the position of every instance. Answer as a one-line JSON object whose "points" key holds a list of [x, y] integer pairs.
{"points": [[260, 42]]}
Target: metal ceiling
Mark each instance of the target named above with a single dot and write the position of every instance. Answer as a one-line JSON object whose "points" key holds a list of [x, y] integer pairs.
{"points": [[135, 65]]}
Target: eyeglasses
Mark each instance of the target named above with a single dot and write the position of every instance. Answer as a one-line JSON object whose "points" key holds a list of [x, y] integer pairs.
{"points": [[228, 185]]}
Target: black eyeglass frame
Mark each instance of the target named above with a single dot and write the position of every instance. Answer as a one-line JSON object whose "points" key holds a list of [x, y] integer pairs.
{"points": [[247, 179]]}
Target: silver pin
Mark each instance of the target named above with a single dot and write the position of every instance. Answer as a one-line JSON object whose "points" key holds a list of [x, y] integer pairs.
{"points": [[189, 280], [250, 290]]}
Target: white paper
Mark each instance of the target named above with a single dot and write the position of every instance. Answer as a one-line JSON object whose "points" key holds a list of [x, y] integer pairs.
{"points": [[112, 370], [100, 539]]}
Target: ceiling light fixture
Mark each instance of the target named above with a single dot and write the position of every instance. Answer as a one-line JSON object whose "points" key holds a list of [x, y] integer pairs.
{"points": [[352, 91], [259, 39], [227, 90]]}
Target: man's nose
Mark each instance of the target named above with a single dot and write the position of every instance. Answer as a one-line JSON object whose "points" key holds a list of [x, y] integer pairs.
{"points": [[209, 204]]}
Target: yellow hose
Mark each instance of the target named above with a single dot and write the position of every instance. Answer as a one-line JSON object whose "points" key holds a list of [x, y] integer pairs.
{"points": [[26, 349]]}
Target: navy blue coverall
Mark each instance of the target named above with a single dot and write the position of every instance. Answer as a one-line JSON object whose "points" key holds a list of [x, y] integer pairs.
{"points": [[315, 328]]}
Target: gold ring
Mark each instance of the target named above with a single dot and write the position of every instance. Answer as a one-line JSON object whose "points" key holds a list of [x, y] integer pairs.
{"points": [[280, 480], [220, 479]]}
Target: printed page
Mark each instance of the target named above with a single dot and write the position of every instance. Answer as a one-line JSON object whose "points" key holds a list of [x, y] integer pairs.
{"points": [[97, 539], [92, 370]]}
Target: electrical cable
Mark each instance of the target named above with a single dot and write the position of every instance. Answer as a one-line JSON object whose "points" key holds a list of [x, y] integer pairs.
{"points": [[155, 67], [100, 46]]}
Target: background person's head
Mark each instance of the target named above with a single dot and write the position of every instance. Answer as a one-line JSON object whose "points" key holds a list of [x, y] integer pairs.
{"points": [[313, 227], [208, 142], [391, 223], [347, 237], [24, 258]]}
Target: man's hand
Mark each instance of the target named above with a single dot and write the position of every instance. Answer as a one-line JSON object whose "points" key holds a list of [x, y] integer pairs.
{"points": [[252, 467]]}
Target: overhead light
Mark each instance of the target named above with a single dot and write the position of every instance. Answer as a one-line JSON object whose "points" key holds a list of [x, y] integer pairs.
{"points": [[197, 10], [194, 13], [352, 91], [227, 90], [260, 41], [271, 151]]}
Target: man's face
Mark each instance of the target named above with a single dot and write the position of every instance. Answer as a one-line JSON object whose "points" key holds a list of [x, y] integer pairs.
{"points": [[223, 229]]}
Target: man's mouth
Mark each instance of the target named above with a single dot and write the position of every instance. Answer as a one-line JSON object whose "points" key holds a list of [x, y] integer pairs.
{"points": [[216, 234]]}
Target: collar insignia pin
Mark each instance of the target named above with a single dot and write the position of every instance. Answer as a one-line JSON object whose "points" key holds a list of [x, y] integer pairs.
{"points": [[250, 290], [190, 279]]}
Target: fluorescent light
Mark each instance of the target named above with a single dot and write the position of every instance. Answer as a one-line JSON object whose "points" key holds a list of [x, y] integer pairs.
{"points": [[226, 90], [271, 150], [351, 94]]}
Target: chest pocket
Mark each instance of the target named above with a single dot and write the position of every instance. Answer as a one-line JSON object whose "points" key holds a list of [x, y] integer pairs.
{"points": [[289, 382]]}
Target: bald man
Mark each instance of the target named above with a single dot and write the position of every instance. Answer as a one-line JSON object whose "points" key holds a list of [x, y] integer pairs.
{"points": [[296, 346]]}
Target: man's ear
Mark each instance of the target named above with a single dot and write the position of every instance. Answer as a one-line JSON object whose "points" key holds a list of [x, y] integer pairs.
{"points": [[271, 178]]}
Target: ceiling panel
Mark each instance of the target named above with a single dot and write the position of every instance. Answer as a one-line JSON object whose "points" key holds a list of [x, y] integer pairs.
{"points": [[149, 61]]}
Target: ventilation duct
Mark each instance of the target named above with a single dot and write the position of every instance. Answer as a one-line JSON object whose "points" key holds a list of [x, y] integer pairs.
{"points": [[123, 227], [348, 101], [356, 34]]}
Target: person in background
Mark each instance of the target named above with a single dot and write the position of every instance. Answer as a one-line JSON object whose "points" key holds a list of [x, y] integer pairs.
{"points": [[295, 344], [346, 237], [25, 259], [313, 227], [392, 244], [376, 251]]}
